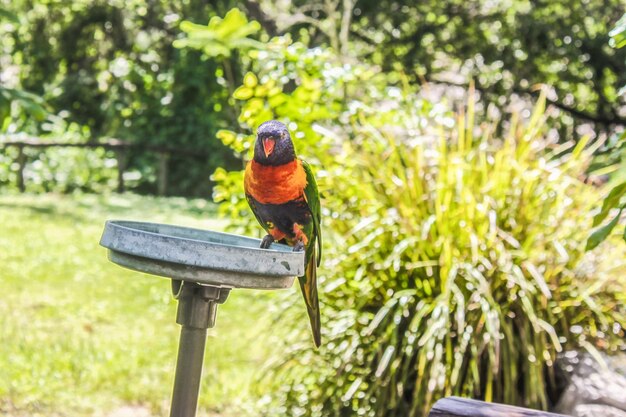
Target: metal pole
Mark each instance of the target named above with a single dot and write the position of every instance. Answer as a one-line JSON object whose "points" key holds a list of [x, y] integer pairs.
{"points": [[197, 309], [188, 372]]}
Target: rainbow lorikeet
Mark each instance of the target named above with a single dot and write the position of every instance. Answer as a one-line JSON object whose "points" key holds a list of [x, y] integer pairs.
{"points": [[282, 193]]}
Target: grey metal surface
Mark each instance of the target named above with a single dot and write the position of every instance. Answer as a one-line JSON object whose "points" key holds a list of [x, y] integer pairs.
{"points": [[202, 256], [197, 305], [465, 407], [188, 372]]}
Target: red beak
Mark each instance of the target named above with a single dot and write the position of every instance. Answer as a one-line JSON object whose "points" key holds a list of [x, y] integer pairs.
{"points": [[268, 146]]}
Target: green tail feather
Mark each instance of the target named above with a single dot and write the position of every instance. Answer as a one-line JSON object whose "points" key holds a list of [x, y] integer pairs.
{"points": [[308, 285]]}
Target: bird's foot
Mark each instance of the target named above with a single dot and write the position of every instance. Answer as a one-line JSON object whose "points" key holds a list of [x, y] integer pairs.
{"points": [[301, 238], [267, 241]]}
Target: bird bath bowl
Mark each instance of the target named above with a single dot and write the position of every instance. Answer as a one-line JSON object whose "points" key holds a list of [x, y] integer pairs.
{"points": [[204, 267]]}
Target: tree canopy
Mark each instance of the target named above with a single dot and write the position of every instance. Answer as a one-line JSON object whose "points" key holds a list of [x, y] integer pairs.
{"points": [[111, 67]]}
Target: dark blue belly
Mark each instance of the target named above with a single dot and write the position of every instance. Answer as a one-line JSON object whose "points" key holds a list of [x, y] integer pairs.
{"points": [[283, 216]]}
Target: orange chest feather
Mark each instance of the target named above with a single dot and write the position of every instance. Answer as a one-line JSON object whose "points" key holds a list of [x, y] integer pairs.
{"points": [[275, 185]]}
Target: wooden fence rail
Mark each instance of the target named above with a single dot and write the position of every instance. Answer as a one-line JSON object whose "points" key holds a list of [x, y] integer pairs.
{"points": [[120, 148], [464, 407]]}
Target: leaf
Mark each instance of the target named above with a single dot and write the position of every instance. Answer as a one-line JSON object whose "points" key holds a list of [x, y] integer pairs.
{"points": [[7, 15], [216, 50], [227, 137], [190, 27], [599, 235], [243, 93], [29, 102], [221, 36], [580, 146], [250, 80], [618, 34], [611, 201], [219, 175], [236, 25]]}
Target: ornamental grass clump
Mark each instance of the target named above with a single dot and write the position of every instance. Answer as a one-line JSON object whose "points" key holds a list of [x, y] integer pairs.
{"points": [[458, 267], [454, 261]]}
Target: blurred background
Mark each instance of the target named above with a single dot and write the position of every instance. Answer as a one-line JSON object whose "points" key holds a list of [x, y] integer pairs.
{"points": [[471, 158]]}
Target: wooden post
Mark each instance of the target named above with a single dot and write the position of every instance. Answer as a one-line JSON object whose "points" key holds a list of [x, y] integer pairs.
{"points": [[163, 173], [120, 154], [457, 407], [21, 163]]}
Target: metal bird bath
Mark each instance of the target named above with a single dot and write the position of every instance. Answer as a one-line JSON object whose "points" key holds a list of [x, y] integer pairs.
{"points": [[204, 266]]}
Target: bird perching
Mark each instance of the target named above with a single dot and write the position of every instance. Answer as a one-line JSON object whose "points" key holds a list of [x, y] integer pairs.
{"points": [[282, 193]]}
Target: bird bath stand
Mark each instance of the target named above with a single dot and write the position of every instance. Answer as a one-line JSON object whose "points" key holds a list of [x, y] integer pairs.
{"points": [[204, 266]]}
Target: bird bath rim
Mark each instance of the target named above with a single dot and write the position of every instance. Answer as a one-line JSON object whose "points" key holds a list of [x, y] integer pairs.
{"points": [[202, 256]]}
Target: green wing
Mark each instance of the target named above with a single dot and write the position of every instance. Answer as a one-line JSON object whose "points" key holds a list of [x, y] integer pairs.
{"points": [[312, 196], [308, 282]]}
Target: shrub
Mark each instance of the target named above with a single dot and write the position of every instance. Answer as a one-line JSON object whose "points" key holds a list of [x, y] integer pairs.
{"points": [[454, 263], [461, 271], [61, 169]]}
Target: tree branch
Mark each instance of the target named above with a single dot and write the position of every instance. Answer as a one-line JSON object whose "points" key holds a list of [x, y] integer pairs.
{"points": [[255, 10], [346, 18]]}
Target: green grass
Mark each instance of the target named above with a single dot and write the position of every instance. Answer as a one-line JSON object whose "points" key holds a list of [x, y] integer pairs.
{"points": [[82, 336]]}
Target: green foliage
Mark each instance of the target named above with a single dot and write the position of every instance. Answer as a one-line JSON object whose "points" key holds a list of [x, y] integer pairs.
{"points": [[6, 15], [110, 66], [221, 36], [600, 234], [113, 66], [13, 101], [506, 47], [300, 86], [463, 273], [66, 170], [614, 204], [618, 34], [614, 199], [63, 170], [456, 260]]}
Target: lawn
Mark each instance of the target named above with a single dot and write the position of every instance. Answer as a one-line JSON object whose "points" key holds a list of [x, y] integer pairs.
{"points": [[81, 336]]}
